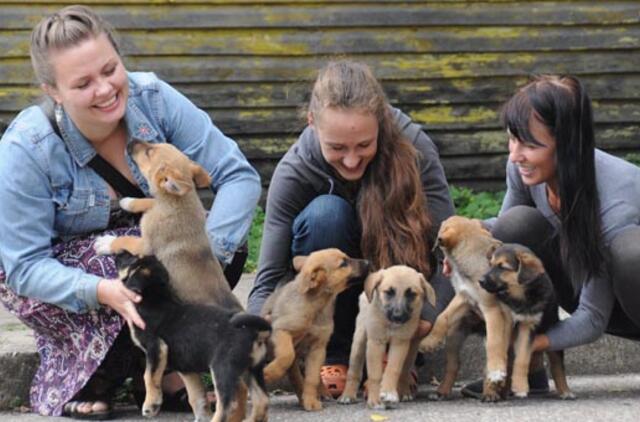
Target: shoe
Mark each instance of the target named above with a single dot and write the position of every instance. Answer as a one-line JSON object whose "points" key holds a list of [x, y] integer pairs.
{"points": [[72, 410], [538, 385], [334, 378]]}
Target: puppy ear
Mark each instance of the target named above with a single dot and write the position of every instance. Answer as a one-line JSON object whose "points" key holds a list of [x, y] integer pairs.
{"points": [[313, 279], [494, 245], [371, 284], [171, 181], [429, 295], [298, 262], [529, 267], [200, 176]]}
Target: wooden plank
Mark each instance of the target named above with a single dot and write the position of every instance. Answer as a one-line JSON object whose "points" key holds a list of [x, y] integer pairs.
{"points": [[294, 94], [332, 14], [191, 42], [387, 67]]}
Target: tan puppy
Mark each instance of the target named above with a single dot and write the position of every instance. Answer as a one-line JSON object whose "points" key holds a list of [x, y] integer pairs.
{"points": [[518, 279], [467, 246], [301, 314], [173, 229], [173, 225], [389, 315]]}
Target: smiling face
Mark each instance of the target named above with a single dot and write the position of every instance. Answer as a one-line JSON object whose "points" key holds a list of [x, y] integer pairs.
{"points": [[91, 84], [536, 163], [348, 140]]}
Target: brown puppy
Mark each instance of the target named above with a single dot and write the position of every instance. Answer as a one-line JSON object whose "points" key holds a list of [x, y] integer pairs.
{"points": [[518, 279], [389, 314], [467, 246], [173, 225], [301, 314], [173, 229]]}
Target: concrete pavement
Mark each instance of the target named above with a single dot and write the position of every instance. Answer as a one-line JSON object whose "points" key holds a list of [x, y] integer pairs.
{"points": [[606, 376]]}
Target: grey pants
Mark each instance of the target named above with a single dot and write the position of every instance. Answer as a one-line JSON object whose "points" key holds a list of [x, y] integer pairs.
{"points": [[527, 226]]}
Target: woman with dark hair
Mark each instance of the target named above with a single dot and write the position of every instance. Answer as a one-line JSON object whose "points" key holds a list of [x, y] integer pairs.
{"points": [[363, 178], [578, 208]]}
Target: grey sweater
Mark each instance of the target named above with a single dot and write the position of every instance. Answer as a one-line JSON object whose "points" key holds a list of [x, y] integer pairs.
{"points": [[303, 174], [618, 185]]}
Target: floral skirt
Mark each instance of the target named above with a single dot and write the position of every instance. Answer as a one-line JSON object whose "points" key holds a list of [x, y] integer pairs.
{"points": [[71, 346]]}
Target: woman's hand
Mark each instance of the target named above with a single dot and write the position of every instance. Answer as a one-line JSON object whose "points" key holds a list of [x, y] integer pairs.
{"points": [[446, 268], [540, 343], [115, 295], [423, 329]]}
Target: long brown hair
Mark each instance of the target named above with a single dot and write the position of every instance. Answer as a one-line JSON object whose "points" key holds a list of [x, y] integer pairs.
{"points": [[391, 205]]}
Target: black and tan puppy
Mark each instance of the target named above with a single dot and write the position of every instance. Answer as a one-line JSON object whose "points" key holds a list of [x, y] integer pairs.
{"points": [[194, 338], [467, 246], [518, 279], [389, 315], [301, 312]]}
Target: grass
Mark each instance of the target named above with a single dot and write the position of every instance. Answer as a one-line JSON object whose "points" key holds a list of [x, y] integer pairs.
{"points": [[468, 203]]}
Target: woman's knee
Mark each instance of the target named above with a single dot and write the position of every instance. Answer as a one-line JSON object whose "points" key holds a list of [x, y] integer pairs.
{"points": [[624, 255], [524, 225], [327, 221]]}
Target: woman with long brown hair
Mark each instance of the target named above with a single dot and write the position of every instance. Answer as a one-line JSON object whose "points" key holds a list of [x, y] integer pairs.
{"points": [[363, 178]]}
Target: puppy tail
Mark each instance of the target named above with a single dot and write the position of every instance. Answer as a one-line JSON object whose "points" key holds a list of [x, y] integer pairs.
{"points": [[244, 320]]}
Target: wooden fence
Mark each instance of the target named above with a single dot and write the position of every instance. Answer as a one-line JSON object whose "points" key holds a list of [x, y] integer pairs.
{"points": [[449, 64]]}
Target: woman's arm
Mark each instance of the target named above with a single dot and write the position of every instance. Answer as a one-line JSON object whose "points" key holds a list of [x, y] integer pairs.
{"points": [[285, 200], [27, 218], [235, 182], [588, 321]]}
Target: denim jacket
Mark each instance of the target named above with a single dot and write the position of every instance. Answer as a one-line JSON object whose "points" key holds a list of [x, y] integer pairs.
{"points": [[48, 191]]}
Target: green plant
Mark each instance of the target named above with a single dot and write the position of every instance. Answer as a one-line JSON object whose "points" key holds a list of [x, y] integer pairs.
{"points": [[255, 236], [472, 204], [633, 157]]}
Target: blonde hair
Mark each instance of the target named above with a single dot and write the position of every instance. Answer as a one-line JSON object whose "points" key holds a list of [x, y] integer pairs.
{"points": [[391, 205], [65, 28]]}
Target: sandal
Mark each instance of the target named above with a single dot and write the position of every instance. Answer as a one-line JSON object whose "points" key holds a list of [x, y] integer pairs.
{"points": [[71, 410], [334, 378]]}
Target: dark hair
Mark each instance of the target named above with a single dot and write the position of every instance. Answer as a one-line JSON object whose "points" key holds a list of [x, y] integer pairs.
{"points": [[562, 104], [391, 205]]}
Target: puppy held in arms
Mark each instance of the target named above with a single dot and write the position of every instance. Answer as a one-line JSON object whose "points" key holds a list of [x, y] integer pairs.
{"points": [[467, 246], [173, 225], [389, 315], [194, 338], [518, 279], [301, 313]]}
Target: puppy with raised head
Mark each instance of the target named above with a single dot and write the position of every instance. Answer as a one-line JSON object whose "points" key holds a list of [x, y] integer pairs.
{"points": [[173, 225], [467, 247], [301, 314], [194, 338], [518, 279], [389, 315]]}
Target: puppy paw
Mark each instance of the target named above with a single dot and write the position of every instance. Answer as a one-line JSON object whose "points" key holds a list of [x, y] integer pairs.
{"points": [[429, 344], [390, 399], [493, 391], [125, 203], [311, 404], [347, 399], [520, 394], [102, 244], [149, 410], [567, 395], [375, 405], [436, 396]]}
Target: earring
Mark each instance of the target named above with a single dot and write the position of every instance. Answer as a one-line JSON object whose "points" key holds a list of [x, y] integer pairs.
{"points": [[57, 111]]}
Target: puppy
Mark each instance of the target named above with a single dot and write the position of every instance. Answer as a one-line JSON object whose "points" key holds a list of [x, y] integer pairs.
{"points": [[193, 338], [518, 279], [301, 313], [173, 225], [389, 315], [467, 246]]}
